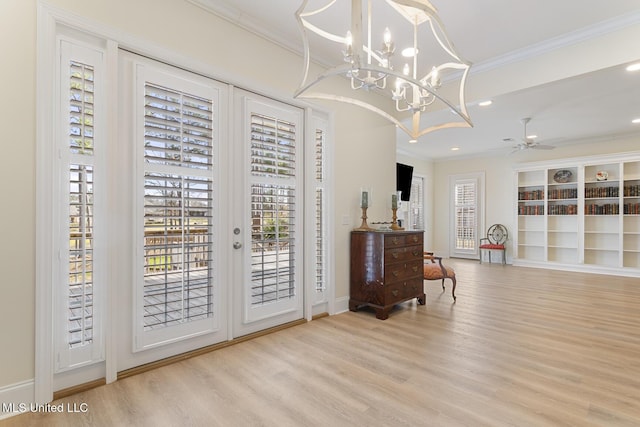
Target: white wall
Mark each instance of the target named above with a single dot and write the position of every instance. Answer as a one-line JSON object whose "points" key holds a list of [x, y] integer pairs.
{"points": [[17, 251], [364, 143], [499, 202]]}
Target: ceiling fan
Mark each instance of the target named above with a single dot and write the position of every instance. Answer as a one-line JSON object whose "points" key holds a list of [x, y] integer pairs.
{"points": [[527, 141]]}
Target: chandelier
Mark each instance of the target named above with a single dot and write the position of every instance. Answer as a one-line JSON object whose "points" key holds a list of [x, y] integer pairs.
{"points": [[415, 86]]}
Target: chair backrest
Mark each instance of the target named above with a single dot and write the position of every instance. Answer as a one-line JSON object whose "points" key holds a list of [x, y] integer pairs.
{"points": [[497, 234]]}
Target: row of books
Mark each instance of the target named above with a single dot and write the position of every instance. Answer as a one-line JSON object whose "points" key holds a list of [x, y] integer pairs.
{"points": [[607, 209], [632, 208], [563, 193], [531, 210], [572, 193], [632, 191], [563, 209], [531, 195], [592, 192]]}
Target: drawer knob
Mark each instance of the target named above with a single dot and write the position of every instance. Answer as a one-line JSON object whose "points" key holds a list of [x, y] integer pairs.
{"points": [[394, 240], [395, 273], [395, 255], [415, 268], [394, 292], [416, 253]]}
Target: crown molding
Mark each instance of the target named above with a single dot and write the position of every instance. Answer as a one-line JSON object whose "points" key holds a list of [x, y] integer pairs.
{"points": [[568, 39], [255, 26]]}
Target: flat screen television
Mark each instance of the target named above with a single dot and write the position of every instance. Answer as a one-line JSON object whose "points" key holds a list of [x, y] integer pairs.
{"points": [[404, 175]]}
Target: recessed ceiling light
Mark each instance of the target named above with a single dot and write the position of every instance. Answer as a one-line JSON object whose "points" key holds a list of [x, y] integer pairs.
{"points": [[409, 52], [413, 141], [635, 121], [634, 67], [485, 103], [455, 148]]}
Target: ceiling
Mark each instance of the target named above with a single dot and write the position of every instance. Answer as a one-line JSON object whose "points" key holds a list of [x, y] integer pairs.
{"points": [[493, 34]]}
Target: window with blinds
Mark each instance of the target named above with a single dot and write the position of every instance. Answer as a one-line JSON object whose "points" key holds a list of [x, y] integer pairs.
{"points": [[273, 208], [81, 108], [178, 207], [80, 181], [79, 268], [416, 204], [466, 205], [320, 238]]}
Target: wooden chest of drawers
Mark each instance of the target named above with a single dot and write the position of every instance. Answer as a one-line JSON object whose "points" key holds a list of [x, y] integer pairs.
{"points": [[386, 269]]}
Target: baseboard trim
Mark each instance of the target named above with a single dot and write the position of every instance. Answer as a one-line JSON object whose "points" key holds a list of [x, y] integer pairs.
{"points": [[78, 388], [14, 395], [320, 316], [179, 357], [341, 305], [23, 393]]}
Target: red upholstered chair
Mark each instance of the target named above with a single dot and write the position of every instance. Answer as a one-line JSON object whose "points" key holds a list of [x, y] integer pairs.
{"points": [[495, 241], [437, 271]]}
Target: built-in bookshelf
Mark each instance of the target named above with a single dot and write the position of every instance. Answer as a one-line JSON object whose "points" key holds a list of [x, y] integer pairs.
{"points": [[580, 213], [631, 214]]}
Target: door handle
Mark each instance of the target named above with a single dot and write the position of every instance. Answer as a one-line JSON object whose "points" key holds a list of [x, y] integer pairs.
{"points": [[237, 245]]}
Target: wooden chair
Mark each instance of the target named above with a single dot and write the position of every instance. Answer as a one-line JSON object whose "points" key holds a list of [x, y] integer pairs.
{"points": [[437, 271], [495, 241]]}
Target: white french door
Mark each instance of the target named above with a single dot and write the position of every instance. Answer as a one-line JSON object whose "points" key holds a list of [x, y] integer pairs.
{"points": [[467, 211], [216, 214], [267, 201], [171, 215], [172, 289]]}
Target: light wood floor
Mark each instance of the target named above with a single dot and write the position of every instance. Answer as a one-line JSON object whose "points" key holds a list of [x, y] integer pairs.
{"points": [[521, 347]]}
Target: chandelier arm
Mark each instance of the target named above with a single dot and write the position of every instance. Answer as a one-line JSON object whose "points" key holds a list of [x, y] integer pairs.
{"points": [[448, 46], [433, 92], [305, 43], [314, 12], [372, 53], [352, 101], [334, 71], [450, 125], [463, 106]]}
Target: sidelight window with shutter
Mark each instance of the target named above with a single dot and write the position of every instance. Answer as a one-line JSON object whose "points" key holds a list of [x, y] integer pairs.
{"points": [[80, 284], [416, 204], [320, 216]]}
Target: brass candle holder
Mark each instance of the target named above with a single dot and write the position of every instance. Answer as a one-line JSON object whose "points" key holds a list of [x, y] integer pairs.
{"points": [[394, 223], [364, 226]]}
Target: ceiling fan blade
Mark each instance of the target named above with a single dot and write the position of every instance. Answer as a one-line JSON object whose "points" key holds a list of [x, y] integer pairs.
{"points": [[542, 147]]}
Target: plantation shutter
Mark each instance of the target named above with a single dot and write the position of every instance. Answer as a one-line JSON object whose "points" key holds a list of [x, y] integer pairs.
{"points": [[320, 212], [273, 207], [416, 204], [176, 296], [466, 204], [79, 338]]}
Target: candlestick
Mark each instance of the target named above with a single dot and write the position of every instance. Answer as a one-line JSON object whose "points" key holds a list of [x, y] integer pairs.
{"points": [[364, 226], [394, 223], [394, 201]]}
